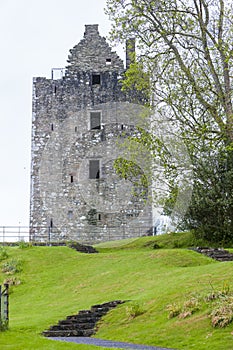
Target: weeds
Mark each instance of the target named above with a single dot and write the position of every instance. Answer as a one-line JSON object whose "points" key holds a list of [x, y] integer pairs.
{"points": [[12, 266], [220, 303], [222, 316], [3, 325], [174, 310], [134, 310], [3, 253], [12, 281], [24, 245], [183, 311]]}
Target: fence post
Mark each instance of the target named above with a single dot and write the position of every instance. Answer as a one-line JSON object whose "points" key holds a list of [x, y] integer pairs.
{"points": [[6, 303], [4, 307], [3, 234], [0, 305]]}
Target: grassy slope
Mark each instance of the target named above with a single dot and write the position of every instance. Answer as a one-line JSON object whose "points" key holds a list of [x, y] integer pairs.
{"points": [[58, 281]]}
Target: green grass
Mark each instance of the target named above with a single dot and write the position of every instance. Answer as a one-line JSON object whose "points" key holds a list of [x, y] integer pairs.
{"points": [[58, 281]]}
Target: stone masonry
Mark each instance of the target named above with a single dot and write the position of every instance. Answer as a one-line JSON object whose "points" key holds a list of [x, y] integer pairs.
{"points": [[80, 122]]}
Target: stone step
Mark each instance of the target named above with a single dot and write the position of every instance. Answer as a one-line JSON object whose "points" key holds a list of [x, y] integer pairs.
{"points": [[69, 333], [83, 324], [81, 319], [72, 326], [218, 254]]}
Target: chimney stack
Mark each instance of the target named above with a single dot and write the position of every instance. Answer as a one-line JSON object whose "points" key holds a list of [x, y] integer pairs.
{"points": [[130, 52], [91, 29]]}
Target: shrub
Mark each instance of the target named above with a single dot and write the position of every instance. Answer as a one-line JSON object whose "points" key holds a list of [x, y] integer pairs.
{"points": [[220, 303], [134, 310], [174, 310], [12, 281], [12, 266], [182, 311], [3, 253], [223, 315], [24, 245]]}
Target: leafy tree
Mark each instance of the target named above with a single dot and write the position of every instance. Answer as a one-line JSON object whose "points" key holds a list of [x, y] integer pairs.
{"points": [[187, 49]]}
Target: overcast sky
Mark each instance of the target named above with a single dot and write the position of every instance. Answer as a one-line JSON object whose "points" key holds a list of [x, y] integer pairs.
{"points": [[35, 37]]}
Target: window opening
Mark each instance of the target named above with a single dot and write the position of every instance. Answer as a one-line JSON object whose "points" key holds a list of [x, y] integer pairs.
{"points": [[95, 118], [95, 79], [94, 169], [71, 178], [55, 89], [52, 127], [70, 214], [76, 129], [99, 217], [108, 61]]}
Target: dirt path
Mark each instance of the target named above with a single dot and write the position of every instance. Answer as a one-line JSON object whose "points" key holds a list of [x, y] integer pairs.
{"points": [[107, 343]]}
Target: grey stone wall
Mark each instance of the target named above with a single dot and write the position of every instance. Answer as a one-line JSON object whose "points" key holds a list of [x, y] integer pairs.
{"points": [[65, 202]]}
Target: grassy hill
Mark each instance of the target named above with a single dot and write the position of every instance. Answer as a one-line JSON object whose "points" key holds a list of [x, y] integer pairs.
{"points": [[58, 281]]}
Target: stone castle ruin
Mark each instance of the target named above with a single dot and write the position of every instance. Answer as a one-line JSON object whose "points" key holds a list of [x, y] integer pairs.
{"points": [[81, 118]]}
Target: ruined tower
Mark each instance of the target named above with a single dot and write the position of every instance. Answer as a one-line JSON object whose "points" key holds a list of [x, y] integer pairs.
{"points": [[80, 117]]}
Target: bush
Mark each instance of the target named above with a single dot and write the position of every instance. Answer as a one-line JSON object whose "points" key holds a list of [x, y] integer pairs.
{"points": [[174, 310], [24, 245], [3, 253], [182, 311], [223, 315], [220, 303], [134, 310], [12, 266]]}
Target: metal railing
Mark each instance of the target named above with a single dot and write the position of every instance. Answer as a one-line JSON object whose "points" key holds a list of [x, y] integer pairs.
{"points": [[44, 234], [14, 233]]}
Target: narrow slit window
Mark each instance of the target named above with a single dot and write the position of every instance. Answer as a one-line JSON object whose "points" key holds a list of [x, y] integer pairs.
{"points": [[71, 178], [108, 61], [52, 128], [70, 214], [94, 169], [76, 129], [95, 79], [99, 217], [95, 119]]}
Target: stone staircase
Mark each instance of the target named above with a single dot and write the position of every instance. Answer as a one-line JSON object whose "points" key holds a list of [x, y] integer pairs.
{"points": [[83, 324], [218, 254], [88, 249]]}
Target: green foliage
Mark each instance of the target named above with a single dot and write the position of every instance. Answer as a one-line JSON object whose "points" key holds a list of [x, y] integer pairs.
{"points": [[211, 207], [136, 82], [174, 310], [24, 245], [219, 303], [134, 310], [12, 266], [186, 47], [3, 253], [12, 281], [188, 308], [222, 316], [129, 170]]}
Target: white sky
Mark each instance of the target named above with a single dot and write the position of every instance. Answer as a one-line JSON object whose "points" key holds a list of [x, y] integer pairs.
{"points": [[35, 36]]}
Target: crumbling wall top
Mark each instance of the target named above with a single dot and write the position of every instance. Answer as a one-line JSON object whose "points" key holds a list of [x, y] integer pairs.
{"points": [[93, 54]]}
